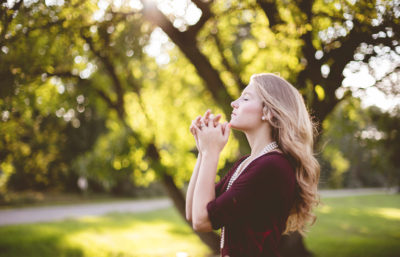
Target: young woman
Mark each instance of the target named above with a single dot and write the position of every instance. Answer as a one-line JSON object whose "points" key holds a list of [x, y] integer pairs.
{"points": [[267, 193]]}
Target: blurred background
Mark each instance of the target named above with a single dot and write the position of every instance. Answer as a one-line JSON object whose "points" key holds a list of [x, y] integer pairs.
{"points": [[97, 96]]}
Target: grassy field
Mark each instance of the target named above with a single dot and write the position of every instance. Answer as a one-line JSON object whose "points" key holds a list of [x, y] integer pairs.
{"points": [[362, 226]]}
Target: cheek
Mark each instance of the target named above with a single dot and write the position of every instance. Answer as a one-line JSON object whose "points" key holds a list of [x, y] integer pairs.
{"points": [[252, 110], [248, 114]]}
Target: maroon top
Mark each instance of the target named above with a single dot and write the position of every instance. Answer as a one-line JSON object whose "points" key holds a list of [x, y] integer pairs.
{"points": [[255, 209]]}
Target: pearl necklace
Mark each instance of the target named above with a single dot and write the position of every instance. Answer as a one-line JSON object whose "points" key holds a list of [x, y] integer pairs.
{"points": [[238, 172]]}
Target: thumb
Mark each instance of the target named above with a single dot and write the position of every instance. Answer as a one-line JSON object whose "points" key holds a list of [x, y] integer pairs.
{"points": [[227, 130]]}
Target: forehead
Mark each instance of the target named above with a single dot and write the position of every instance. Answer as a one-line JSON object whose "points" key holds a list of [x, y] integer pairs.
{"points": [[249, 89]]}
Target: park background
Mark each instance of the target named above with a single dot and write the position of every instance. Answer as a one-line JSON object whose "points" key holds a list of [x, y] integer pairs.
{"points": [[97, 98]]}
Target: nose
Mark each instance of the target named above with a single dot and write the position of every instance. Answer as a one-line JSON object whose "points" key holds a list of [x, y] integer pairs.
{"points": [[234, 104]]}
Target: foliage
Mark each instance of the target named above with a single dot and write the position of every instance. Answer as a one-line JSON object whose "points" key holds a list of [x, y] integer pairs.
{"points": [[83, 93], [355, 151], [388, 124]]}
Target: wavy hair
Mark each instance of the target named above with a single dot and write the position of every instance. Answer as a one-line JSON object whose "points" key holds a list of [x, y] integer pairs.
{"points": [[294, 131]]}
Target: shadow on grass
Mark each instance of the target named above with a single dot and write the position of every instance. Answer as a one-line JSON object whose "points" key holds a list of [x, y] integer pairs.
{"points": [[35, 243]]}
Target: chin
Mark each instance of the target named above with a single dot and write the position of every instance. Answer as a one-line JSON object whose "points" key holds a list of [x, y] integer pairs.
{"points": [[235, 126]]}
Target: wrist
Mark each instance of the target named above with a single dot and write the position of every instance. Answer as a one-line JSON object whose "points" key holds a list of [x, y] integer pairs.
{"points": [[210, 153]]}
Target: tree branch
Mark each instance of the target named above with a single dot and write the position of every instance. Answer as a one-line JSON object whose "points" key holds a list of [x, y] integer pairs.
{"points": [[188, 45], [119, 105], [7, 19], [205, 16], [102, 94], [271, 11], [225, 62]]}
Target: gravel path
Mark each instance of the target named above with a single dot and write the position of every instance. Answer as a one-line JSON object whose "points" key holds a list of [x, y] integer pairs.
{"points": [[356, 191], [55, 213]]}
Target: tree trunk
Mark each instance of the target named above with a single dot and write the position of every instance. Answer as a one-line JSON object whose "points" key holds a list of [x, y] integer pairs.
{"points": [[211, 239]]}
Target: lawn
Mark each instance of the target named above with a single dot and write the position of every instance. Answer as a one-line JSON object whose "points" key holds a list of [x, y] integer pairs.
{"points": [[360, 226], [346, 227]]}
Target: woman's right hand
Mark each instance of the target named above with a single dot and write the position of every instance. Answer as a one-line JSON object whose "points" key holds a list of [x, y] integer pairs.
{"points": [[199, 120], [195, 123]]}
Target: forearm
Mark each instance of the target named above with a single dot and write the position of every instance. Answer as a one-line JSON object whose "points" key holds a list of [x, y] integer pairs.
{"points": [[190, 190], [204, 191]]}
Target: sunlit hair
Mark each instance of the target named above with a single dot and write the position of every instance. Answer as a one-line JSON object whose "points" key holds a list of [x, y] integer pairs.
{"points": [[293, 130]]}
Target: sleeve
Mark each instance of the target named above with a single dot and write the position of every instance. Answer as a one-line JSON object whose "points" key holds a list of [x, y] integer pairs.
{"points": [[220, 184], [262, 183]]}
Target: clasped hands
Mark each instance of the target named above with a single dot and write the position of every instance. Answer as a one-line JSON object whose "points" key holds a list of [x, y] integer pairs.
{"points": [[211, 136]]}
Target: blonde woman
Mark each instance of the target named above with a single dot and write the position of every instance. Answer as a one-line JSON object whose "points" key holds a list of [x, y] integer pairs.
{"points": [[267, 193]]}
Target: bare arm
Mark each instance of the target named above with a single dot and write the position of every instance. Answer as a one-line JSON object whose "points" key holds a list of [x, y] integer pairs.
{"points": [[193, 179], [211, 137], [204, 191], [190, 190]]}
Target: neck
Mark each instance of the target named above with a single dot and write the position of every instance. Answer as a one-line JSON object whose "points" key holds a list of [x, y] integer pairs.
{"points": [[258, 140]]}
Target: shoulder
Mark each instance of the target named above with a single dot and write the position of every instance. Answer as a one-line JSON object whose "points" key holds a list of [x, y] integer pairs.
{"points": [[237, 163], [272, 164]]}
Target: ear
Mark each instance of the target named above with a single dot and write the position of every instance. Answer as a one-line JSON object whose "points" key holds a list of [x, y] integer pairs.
{"points": [[269, 115]]}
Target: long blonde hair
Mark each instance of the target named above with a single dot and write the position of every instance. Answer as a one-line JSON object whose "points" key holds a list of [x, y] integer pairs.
{"points": [[293, 130]]}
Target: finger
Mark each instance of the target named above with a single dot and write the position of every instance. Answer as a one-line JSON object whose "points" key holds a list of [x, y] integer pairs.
{"points": [[193, 131], [223, 126], [216, 119], [210, 120], [207, 116], [197, 123], [196, 129], [197, 120], [193, 124], [191, 127], [202, 125]]}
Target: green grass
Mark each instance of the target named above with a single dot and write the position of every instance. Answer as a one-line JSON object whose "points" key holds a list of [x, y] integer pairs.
{"points": [[362, 226], [158, 233]]}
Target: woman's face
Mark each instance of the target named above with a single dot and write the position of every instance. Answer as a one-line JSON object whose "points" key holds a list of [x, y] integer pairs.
{"points": [[247, 110]]}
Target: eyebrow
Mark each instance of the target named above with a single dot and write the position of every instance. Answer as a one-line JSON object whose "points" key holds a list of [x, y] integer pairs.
{"points": [[246, 93]]}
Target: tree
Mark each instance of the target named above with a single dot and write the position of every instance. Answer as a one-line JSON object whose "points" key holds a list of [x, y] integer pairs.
{"points": [[325, 36], [387, 126], [353, 143], [43, 127], [104, 63], [100, 52]]}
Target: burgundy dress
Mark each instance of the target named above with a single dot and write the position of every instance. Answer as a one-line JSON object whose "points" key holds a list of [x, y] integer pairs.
{"points": [[255, 209]]}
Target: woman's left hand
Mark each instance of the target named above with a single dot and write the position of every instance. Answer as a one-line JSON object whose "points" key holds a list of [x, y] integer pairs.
{"points": [[212, 136]]}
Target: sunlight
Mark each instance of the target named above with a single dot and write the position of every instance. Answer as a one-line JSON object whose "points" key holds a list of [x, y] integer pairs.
{"points": [[388, 213], [325, 209], [184, 12], [158, 46], [359, 80]]}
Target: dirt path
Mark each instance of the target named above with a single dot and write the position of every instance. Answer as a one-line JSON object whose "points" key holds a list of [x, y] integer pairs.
{"points": [[356, 191], [55, 213]]}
